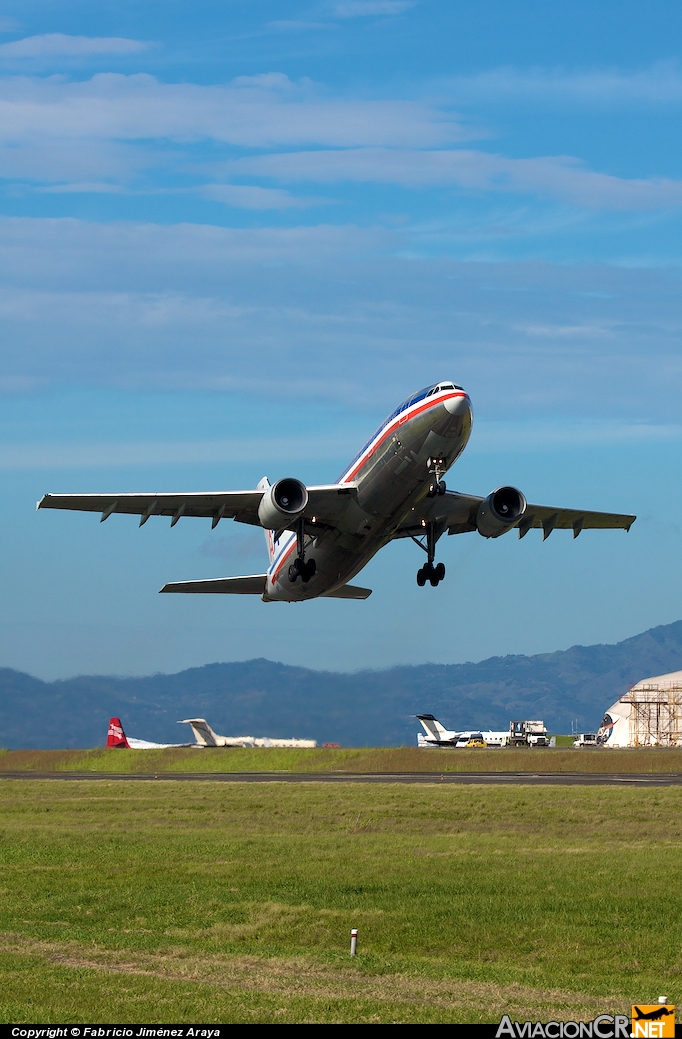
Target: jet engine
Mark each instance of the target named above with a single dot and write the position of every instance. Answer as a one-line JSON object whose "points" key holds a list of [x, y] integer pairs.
{"points": [[500, 511], [282, 503]]}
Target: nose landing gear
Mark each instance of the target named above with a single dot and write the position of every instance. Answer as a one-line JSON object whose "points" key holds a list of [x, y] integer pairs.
{"points": [[300, 566], [437, 468]]}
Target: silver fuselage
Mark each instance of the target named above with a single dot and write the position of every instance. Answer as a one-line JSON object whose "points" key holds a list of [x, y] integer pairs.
{"points": [[392, 476]]}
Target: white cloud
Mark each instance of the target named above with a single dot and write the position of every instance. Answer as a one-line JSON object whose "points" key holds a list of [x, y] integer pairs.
{"points": [[84, 188], [562, 177], [258, 111], [365, 8], [198, 307], [111, 454], [246, 196], [51, 160], [288, 25], [659, 84], [98, 131], [57, 44], [501, 437]]}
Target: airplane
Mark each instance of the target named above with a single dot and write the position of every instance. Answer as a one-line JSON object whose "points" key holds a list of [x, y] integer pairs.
{"points": [[654, 1015], [319, 538], [116, 737], [206, 737], [438, 736]]}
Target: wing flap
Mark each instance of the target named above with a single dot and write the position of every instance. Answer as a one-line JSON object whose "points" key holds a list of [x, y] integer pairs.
{"points": [[451, 511], [253, 585]]}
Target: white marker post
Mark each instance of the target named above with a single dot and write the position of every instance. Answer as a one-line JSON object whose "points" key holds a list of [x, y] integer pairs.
{"points": [[354, 941]]}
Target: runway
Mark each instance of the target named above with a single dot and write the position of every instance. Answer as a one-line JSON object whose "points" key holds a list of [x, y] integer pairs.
{"points": [[438, 779]]}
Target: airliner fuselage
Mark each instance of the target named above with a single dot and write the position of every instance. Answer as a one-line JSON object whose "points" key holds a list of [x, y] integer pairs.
{"points": [[397, 468]]}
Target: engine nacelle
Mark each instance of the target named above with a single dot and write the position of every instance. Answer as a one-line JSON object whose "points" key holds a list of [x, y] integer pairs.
{"points": [[282, 503], [500, 511]]}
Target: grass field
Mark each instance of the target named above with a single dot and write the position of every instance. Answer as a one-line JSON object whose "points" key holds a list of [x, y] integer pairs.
{"points": [[165, 902], [351, 759]]}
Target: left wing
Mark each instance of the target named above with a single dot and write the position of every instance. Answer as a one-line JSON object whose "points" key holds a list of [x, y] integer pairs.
{"points": [[326, 507], [456, 513]]}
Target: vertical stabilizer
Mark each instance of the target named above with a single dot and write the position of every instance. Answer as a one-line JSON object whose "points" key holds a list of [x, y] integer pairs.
{"points": [[269, 534], [203, 733], [116, 737], [432, 727]]}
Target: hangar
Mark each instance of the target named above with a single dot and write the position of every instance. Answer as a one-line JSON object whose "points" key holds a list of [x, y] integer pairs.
{"points": [[649, 715]]}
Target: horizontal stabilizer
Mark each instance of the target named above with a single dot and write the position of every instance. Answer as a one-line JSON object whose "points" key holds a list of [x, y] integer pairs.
{"points": [[254, 585], [349, 591]]}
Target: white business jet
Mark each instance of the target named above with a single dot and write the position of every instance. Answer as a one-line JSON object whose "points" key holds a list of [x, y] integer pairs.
{"points": [[438, 736], [206, 737], [319, 538]]}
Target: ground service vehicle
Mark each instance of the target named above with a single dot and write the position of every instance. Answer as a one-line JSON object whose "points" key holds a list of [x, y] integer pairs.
{"points": [[528, 734], [586, 739]]}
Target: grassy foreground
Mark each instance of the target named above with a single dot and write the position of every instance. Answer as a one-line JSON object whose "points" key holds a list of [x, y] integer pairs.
{"points": [[351, 759], [201, 902]]}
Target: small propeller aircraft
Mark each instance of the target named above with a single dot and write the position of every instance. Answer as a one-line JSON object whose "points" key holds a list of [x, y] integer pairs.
{"points": [[319, 538]]}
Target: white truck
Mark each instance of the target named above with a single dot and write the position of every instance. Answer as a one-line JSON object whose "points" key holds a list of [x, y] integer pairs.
{"points": [[528, 734], [586, 739]]}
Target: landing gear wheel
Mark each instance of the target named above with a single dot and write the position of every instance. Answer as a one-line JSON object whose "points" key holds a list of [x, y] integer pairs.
{"points": [[441, 487], [421, 577], [433, 578], [440, 571], [306, 570]]}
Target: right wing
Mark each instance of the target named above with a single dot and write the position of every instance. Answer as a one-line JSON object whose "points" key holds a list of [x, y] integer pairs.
{"points": [[254, 585], [456, 513]]}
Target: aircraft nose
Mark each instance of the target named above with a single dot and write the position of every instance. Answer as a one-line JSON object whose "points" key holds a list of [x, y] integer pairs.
{"points": [[457, 405]]}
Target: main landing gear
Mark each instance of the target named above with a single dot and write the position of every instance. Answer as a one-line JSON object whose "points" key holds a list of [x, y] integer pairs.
{"points": [[305, 569], [429, 572]]}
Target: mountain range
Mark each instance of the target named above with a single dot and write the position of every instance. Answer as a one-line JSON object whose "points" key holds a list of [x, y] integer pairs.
{"points": [[365, 708]]}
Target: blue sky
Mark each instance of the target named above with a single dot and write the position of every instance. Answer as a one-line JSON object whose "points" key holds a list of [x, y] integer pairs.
{"points": [[234, 236]]}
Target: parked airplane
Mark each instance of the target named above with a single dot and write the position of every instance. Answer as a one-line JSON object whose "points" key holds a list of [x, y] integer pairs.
{"points": [[116, 737], [394, 488], [438, 736], [206, 737]]}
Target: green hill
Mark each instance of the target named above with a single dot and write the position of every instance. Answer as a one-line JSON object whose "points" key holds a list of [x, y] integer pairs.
{"points": [[367, 708]]}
